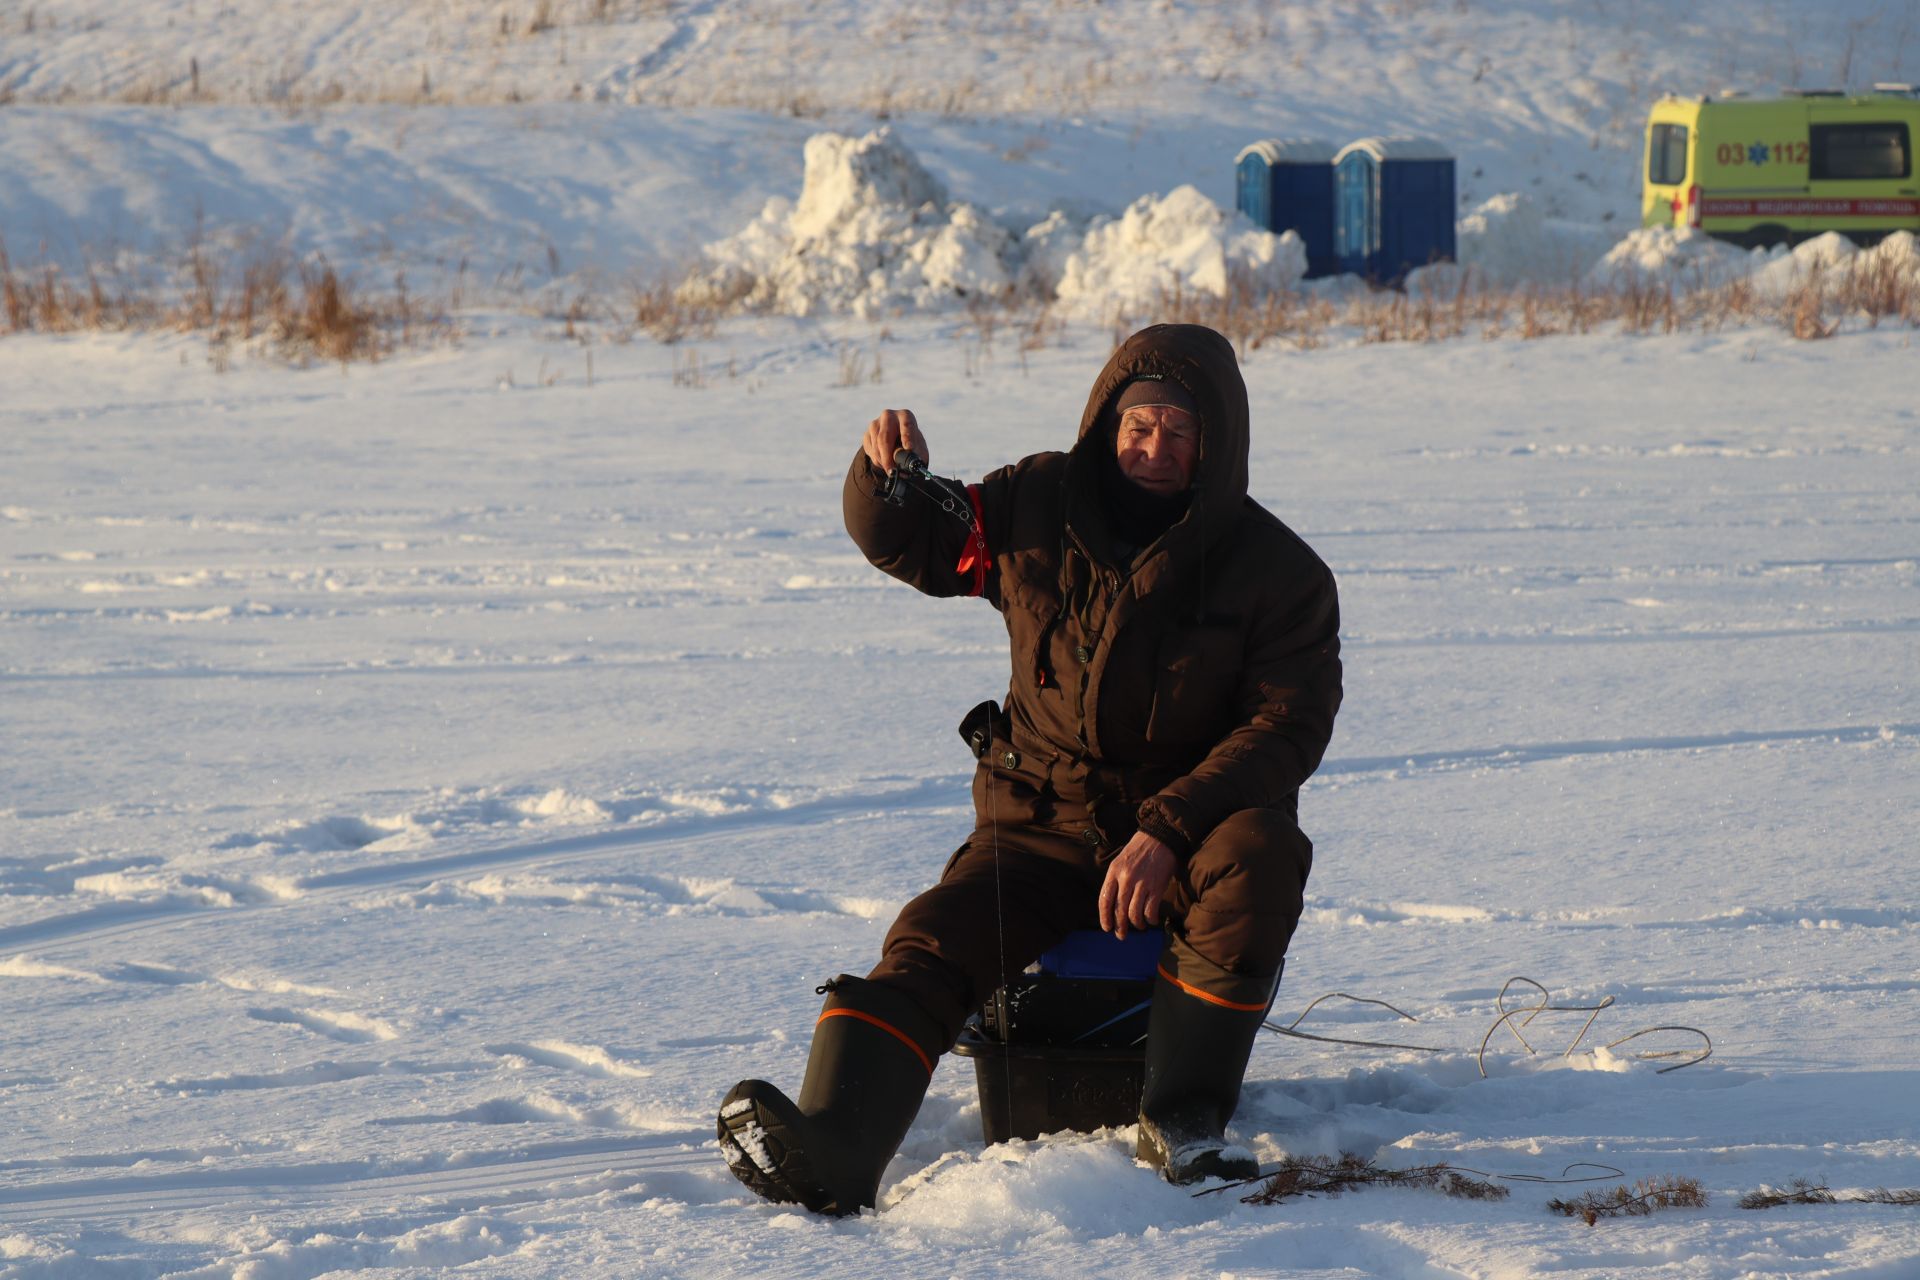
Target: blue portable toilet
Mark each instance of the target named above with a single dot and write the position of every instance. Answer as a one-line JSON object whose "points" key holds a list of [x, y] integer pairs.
{"points": [[1394, 206], [1286, 184]]}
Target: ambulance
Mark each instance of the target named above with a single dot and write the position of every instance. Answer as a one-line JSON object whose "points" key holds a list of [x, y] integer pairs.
{"points": [[1765, 171]]}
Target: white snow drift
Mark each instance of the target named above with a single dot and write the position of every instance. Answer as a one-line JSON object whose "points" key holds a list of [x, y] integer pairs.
{"points": [[1684, 258], [1509, 240], [1180, 242], [874, 232], [1835, 262]]}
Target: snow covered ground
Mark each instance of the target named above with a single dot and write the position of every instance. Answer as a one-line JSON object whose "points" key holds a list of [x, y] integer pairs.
{"points": [[425, 787], [592, 138], [428, 786]]}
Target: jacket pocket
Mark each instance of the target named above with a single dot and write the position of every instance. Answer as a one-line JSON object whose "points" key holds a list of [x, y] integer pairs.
{"points": [[1193, 688], [1010, 784]]}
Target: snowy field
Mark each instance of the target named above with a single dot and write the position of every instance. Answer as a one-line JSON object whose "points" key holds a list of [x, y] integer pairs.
{"points": [[429, 786], [580, 140]]}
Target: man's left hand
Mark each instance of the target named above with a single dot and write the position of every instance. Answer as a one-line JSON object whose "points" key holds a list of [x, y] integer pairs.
{"points": [[1136, 880]]}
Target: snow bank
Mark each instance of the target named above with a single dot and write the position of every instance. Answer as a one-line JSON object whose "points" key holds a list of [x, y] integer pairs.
{"points": [[873, 232], [1181, 242], [1509, 240], [1680, 256], [1690, 259], [1836, 263]]}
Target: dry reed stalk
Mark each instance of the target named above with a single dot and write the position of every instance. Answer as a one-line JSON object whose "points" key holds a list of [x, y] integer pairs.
{"points": [[1639, 1200], [668, 312], [1801, 1191], [1324, 1175], [1806, 311]]}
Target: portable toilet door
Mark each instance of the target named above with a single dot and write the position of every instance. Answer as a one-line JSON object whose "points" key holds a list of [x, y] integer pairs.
{"points": [[1357, 222], [1395, 201], [1286, 184]]}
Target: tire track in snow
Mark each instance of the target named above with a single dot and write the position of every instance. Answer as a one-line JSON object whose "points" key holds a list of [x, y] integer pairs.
{"points": [[123, 919], [693, 26], [465, 1182], [130, 971], [1335, 913], [1522, 753], [1520, 639], [323, 1072], [573, 664], [563, 665]]}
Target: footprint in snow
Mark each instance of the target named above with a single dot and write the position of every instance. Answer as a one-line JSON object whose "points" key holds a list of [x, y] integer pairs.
{"points": [[346, 1027], [586, 1059]]}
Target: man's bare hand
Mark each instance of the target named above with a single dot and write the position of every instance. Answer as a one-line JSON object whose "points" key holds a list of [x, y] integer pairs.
{"points": [[893, 430], [1137, 879]]}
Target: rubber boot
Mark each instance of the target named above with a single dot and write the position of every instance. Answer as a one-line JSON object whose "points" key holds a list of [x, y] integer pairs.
{"points": [[867, 1073], [1197, 1050]]}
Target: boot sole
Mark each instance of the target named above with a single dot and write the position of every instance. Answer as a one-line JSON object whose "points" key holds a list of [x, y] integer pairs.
{"points": [[760, 1138]]}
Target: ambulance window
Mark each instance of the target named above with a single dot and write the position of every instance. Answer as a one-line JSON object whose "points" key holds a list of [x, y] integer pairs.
{"points": [[1855, 151], [1667, 155]]}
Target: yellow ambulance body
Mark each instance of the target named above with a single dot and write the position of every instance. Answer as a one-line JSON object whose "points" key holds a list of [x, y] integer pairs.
{"points": [[1763, 171]]}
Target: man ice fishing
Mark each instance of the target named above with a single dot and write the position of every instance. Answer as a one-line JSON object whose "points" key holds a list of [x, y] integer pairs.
{"points": [[1176, 673]]}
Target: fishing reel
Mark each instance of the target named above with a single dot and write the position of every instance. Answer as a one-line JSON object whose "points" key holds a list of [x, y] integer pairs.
{"points": [[908, 473]]}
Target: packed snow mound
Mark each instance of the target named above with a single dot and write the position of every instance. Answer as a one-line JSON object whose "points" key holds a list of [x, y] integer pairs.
{"points": [[1683, 257], [1509, 240], [852, 183], [872, 232], [1836, 263], [1180, 242], [1690, 259], [1900, 252], [1828, 258]]}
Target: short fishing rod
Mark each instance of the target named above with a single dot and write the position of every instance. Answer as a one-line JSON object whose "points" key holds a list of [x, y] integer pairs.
{"points": [[910, 474]]}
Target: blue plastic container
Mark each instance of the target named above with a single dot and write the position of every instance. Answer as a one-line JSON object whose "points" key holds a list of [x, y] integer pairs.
{"points": [[1091, 953]]}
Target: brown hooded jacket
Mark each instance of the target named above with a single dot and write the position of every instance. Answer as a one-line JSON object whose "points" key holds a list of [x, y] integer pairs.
{"points": [[1162, 694]]}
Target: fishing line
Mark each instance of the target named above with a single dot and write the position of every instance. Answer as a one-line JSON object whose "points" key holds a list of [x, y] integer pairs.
{"points": [[1506, 1018], [910, 474]]}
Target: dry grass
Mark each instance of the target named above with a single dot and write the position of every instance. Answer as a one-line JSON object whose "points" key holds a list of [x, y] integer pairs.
{"points": [[1815, 309], [1462, 308], [688, 371], [305, 309], [302, 309], [666, 311], [859, 366]]}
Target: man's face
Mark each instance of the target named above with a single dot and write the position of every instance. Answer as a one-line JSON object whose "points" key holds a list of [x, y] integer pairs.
{"points": [[1158, 445]]}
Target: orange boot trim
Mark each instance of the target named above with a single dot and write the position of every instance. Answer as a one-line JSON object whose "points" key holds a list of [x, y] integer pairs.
{"points": [[887, 1027], [1209, 997]]}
